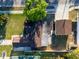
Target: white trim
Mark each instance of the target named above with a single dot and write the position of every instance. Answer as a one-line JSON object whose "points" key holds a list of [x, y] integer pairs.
{"points": [[74, 7], [50, 10], [5, 57], [25, 49]]}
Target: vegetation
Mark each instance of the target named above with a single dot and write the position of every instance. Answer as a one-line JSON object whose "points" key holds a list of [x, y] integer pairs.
{"points": [[17, 53], [5, 48], [11, 25], [3, 19], [14, 25], [73, 55], [35, 9], [3, 22]]}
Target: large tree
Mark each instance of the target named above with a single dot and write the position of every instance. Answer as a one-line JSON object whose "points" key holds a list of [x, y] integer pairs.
{"points": [[35, 9]]}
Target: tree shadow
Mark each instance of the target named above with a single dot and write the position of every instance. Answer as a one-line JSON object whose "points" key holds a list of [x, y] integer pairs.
{"points": [[49, 20], [74, 29], [59, 42], [30, 28], [33, 30], [3, 22]]}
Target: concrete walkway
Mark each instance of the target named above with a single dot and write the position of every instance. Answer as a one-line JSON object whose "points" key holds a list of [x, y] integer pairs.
{"points": [[5, 58], [5, 42]]}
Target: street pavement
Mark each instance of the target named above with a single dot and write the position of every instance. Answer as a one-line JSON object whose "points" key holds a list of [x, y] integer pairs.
{"points": [[5, 58]]}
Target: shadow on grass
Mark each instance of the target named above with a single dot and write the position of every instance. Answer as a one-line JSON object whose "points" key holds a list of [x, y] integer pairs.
{"points": [[3, 22]]}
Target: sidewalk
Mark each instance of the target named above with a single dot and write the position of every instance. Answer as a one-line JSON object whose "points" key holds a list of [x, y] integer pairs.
{"points": [[5, 58]]}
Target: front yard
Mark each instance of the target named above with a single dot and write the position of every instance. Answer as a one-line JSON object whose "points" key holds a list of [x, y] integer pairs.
{"points": [[5, 48]]}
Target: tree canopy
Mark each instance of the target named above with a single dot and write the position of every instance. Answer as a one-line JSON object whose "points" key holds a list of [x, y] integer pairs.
{"points": [[35, 9]]}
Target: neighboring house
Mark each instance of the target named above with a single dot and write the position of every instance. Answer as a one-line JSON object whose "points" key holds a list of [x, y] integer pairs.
{"points": [[61, 29], [52, 5], [12, 6], [16, 6], [59, 32], [74, 16], [46, 31], [12, 3], [65, 25]]}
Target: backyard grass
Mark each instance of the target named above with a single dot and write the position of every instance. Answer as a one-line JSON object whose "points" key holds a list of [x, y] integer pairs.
{"points": [[14, 25], [17, 53], [5, 48]]}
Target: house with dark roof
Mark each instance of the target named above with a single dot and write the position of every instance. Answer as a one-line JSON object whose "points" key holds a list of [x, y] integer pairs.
{"points": [[16, 6], [58, 34], [61, 29]]}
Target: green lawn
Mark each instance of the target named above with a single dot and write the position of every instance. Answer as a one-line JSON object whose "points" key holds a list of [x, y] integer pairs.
{"points": [[5, 48], [14, 25]]}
